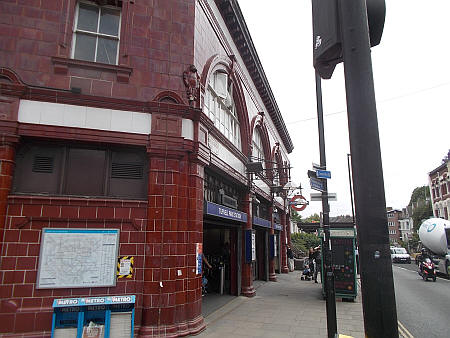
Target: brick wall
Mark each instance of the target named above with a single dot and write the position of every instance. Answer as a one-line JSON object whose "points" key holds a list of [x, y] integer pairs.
{"points": [[27, 309], [156, 46]]}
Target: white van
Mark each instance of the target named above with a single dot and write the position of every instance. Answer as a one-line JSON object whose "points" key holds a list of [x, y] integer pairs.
{"points": [[399, 255]]}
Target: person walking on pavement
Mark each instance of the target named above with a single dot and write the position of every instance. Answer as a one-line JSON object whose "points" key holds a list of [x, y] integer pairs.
{"points": [[317, 261], [290, 257], [311, 260]]}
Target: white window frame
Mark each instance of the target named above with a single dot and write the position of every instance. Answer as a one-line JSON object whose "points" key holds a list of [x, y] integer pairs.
{"points": [[96, 34], [258, 149], [222, 110]]}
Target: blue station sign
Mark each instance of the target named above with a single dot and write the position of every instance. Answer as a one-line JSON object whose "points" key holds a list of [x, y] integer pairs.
{"points": [[218, 210], [323, 174]]}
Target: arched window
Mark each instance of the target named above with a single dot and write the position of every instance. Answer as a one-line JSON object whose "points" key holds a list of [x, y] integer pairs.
{"points": [[258, 150], [220, 107], [276, 173]]}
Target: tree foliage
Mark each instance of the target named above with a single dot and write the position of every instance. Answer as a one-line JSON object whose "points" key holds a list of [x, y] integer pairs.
{"points": [[301, 242], [421, 213], [421, 205], [420, 194], [414, 242], [312, 219], [296, 217]]}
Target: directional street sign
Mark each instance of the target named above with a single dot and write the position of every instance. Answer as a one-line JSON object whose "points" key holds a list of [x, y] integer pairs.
{"points": [[323, 174], [316, 184], [318, 196], [317, 166]]}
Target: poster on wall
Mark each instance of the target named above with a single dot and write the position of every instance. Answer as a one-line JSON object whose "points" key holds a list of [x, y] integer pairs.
{"points": [[253, 246], [77, 258], [198, 253]]}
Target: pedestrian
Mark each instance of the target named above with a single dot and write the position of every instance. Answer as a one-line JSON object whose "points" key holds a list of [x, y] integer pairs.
{"points": [[290, 257], [311, 259], [317, 262]]}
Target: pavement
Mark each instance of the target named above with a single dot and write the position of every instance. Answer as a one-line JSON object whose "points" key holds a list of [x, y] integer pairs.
{"points": [[289, 307]]}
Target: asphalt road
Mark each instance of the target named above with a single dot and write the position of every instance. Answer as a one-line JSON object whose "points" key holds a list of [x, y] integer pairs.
{"points": [[422, 307]]}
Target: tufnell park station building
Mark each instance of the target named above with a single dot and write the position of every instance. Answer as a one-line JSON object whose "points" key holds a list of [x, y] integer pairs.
{"points": [[137, 137]]}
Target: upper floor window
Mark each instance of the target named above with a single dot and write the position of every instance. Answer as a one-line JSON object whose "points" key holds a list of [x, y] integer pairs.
{"points": [[96, 33], [444, 189], [219, 106], [258, 150]]}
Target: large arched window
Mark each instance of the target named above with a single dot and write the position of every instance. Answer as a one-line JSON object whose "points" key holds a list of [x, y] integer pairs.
{"points": [[220, 107], [258, 150]]}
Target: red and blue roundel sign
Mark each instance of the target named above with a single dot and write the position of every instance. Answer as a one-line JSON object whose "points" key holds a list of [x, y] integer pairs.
{"points": [[298, 202]]}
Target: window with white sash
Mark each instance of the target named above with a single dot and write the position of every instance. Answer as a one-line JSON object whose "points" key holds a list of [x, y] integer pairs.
{"points": [[258, 150], [96, 33], [219, 106]]}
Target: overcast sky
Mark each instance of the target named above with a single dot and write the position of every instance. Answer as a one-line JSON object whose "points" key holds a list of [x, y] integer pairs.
{"points": [[412, 88]]}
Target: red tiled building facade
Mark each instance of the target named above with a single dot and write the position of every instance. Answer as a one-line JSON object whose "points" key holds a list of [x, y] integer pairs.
{"points": [[439, 184], [137, 115]]}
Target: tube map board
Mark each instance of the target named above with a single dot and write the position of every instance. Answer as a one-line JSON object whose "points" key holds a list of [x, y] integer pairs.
{"points": [[78, 258]]}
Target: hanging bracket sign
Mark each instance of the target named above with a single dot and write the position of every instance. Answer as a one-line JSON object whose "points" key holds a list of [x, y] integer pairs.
{"points": [[298, 203]]}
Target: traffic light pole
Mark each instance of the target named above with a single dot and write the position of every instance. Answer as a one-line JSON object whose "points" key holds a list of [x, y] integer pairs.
{"points": [[327, 254], [378, 296]]}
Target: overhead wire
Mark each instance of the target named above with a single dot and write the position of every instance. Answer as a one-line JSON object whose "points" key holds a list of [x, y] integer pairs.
{"points": [[380, 101]]}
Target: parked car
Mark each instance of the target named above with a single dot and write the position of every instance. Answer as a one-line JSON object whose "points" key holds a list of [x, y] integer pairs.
{"points": [[400, 255]]}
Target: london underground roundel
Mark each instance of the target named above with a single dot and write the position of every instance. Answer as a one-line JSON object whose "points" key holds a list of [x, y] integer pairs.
{"points": [[298, 202]]}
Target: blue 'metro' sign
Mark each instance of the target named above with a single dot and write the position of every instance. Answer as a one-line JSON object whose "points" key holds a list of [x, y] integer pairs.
{"points": [[225, 212]]}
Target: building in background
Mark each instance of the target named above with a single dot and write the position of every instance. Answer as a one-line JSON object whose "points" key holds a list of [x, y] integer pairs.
{"points": [[393, 216], [135, 119], [439, 183], [405, 225]]}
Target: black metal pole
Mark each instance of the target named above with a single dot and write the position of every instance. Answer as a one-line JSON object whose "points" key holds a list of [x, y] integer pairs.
{"points": [[327, 254], [351, 187], [378, 296]]}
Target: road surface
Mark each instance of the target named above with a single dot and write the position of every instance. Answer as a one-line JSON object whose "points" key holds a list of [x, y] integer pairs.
{"points": [[422, 307]]}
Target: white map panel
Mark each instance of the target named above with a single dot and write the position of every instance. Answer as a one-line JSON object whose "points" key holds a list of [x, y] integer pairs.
{"points": [[78, 258]]}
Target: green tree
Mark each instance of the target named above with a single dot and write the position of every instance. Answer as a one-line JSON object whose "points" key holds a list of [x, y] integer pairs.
{"points": [[421, 213], [420, 194], [414, 243], [312, 219], [301, 242], [420, 203], [296, 217]]}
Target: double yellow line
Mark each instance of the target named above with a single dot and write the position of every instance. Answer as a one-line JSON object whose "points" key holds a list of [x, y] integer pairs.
{"points": [[403, 331]]}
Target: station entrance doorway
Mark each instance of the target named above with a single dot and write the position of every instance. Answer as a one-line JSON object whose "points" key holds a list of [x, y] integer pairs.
{"points": [[220, 247]]}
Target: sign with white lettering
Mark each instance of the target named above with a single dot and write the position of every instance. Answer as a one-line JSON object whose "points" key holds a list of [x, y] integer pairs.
{"points": [[253, 246], [66, 302], [224, 212], [77, 258]]}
